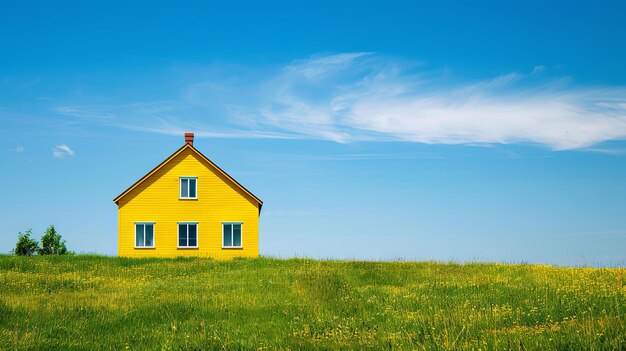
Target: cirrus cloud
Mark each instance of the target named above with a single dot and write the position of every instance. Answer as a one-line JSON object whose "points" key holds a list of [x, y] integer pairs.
{"points": [[351, 97], [369, 97], [62, 151]]}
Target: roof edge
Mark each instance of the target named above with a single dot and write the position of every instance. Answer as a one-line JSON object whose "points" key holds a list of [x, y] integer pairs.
{"points": [[176, 153], [227, 175], [120, 196]]}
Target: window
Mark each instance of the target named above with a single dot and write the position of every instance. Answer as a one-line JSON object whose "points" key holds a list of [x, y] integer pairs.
{"points": [[188, 235], [188, 187], [231, 234], [144, 235]]}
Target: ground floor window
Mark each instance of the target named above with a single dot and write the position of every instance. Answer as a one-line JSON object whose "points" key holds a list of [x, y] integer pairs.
{"points": [[231, 234], [188, 234], [144, 234]]}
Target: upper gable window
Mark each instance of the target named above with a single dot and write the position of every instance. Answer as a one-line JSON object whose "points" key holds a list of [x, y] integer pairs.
{"points": [[188, 187]]}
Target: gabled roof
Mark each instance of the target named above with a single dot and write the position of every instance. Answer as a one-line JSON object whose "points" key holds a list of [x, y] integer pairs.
{"points": [[179, 151]]}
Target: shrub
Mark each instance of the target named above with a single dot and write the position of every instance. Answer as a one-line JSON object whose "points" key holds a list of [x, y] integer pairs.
{"points": [[51, 243], [26, 246]]}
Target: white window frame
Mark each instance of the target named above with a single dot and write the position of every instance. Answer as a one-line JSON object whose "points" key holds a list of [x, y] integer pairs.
{"points": [[232, 236], [180, 187], [144, 235], [178, 235]]}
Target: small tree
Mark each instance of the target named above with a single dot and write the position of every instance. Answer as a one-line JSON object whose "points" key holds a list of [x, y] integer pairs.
{"points": [[51, 243], [26, 246]]}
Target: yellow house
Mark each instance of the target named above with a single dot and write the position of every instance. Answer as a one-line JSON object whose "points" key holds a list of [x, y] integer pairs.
{"points": [[188, 206]]}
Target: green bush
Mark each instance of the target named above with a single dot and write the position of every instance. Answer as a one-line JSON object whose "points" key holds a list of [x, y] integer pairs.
{"points": [[51, 243], [26, 246]]}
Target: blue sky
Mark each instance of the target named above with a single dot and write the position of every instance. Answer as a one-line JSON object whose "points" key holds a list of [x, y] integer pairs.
{"points": [[492, 131]]}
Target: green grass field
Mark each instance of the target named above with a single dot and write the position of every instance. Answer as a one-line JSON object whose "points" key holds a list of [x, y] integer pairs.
{"points": [[92, 302]]}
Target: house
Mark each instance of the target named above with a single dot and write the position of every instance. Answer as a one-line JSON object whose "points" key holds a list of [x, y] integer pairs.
{"points": [[188, 206]]}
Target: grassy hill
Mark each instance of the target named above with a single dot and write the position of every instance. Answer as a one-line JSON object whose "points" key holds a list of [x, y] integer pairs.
{"points": [[93, 302]]}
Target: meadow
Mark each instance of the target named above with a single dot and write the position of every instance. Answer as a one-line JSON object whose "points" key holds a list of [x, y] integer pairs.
{"points": [[108, 303]]}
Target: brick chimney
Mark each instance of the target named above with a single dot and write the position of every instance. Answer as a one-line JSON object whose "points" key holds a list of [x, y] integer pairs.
{"points": [[189, 138]]}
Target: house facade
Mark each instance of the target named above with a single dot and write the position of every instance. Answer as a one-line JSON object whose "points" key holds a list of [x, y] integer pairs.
{"points": [[188, 206]]}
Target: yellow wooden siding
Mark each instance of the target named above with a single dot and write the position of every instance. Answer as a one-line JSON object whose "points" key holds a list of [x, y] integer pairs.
{"points": [[156, 200]]}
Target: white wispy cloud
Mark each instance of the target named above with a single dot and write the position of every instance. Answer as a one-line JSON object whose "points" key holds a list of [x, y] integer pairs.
{"points": [[367, 97], [18, 149], [608, 151], [351, 97], [62, 151], [168, 117]]}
